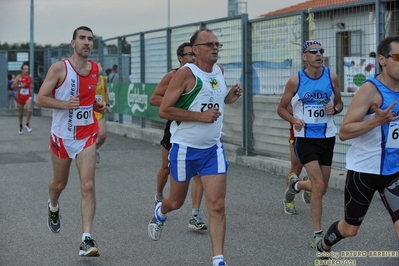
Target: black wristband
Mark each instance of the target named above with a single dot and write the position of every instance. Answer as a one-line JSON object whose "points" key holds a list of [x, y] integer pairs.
{"points": [[107, 105], [335, 110]]}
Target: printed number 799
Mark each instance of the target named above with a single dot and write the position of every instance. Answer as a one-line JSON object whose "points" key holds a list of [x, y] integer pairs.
{"points": [[206, 106]]}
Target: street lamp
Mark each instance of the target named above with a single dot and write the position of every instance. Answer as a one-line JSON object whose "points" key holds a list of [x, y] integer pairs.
{"points": [[31, 51]]}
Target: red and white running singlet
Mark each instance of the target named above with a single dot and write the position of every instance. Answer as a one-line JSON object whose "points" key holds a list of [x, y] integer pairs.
{"points": [[81, 122], [25, 90]]}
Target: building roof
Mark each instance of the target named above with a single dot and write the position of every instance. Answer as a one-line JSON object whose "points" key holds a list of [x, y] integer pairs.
{"points": [[307, 5]]}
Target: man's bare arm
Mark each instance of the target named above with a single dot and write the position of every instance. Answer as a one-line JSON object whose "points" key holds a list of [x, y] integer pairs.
{"points": [[14, 84], [54, 77], [183, 81], [160, 89], [367, 99], [284, 108]]}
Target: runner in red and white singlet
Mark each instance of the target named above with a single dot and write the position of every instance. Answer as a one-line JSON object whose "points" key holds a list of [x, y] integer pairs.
{"points": [[70, 90], [81, 122], [23, 84]]}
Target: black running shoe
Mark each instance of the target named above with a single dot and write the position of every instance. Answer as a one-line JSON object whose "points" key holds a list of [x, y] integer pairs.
{"points": [[53, 220], [89, 248]]}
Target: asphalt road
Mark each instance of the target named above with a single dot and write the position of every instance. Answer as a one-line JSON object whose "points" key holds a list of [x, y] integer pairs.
{"points": [[258, 231]]}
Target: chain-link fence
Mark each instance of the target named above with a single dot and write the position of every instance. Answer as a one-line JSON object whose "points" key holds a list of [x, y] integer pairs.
{"points": [[261, 54]]}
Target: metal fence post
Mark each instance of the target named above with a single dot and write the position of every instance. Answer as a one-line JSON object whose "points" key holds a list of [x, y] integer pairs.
{"points": [[100, 51], [3, 80], [247, 110]]}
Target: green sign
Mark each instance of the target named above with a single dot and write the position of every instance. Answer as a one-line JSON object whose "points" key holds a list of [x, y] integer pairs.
{"points": [[133, 99]]}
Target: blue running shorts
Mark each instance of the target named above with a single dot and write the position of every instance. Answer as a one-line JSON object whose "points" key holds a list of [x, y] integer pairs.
{"points": [[186, 162]]}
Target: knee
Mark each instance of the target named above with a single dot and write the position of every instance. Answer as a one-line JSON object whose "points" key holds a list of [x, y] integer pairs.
{"points": [[176, 204], [101, 137], [88, 187], [60, 186], [165, 171], [349, 231], [216, 206], [318, 188]]}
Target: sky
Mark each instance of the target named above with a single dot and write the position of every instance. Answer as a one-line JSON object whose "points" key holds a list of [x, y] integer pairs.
{"points": [[55, 20]]}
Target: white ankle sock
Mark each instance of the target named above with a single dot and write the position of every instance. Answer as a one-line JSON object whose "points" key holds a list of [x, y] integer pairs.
{"points": [[159, 197], [161, 216], [84, 236], [195, 212], [216, 259], [296, 187], [52, 208]]}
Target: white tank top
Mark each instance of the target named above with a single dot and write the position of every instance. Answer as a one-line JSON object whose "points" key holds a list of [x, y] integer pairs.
{"points": [[209, 92]]}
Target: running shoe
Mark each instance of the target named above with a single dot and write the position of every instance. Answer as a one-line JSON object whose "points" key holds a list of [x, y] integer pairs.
{"points": [[28, 128], [155, 226], [97, 157], [306, 195], [289, 194], [54, 219], [20, 131], [287, 179], [89, 248], [197, 223], [317, 253], [289, 207], [314, 239], [222, 263]]}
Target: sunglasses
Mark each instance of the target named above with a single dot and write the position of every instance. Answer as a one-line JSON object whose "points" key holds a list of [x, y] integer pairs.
{"points": [[395, 57], [189, 54], [210, 44], [315, 50]]}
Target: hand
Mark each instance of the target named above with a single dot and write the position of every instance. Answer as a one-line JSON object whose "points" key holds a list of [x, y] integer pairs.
{"points": [[108, 109], [73, 103], [210, 115], [384, 116], [99, 107], [298, 125], [234, 93], [237, 89], [329, 109]]}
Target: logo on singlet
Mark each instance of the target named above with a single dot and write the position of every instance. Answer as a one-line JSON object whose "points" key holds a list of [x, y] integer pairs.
{"points": [[70, 114], [214, 84], [319, 97]]}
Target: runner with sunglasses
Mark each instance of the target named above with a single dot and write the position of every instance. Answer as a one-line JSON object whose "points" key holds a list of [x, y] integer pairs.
{"points": [[184, 55], [194, 101], [373, 159], [315, 97]]}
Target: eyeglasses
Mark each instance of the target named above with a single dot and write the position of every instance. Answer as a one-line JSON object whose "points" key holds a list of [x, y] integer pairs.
{"points": [[395, 57], [189, 54], [315, 50], [210, 44]]}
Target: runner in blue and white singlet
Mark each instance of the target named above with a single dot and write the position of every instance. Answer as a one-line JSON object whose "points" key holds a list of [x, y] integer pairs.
{"points": [[308, 105], [377, 151], [372, 124]]}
